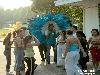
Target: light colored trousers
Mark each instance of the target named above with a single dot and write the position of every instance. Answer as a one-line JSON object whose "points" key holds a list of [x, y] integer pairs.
{"points": [[60, 51], [71, 62]]}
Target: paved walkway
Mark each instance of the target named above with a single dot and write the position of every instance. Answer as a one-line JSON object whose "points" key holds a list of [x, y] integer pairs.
{"points": [[42, 68]]}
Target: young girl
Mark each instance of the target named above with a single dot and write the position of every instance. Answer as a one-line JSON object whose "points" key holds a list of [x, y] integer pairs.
{"points": [[60, 47], [29, 54]]}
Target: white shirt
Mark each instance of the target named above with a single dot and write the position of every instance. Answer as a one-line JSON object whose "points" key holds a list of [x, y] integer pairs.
{"points": [[74, 34]]}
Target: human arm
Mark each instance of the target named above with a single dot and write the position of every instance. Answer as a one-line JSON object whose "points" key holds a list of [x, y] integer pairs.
{"points": [[35, 41], [46, 34], [67, 46], [89, 41]]}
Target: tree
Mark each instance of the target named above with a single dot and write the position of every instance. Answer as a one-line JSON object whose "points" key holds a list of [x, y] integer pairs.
{"points": [[74, 12], [42, 5], [16, 26], [11, 16]]}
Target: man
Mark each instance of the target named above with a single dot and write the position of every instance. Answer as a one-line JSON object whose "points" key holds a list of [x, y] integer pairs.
{"points": [[7, 42], [25, 31], [19, 52], [50, 35], [74, 29]]}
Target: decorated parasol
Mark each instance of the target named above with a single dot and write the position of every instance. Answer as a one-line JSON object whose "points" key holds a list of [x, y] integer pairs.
{"points": [[39, 25]]}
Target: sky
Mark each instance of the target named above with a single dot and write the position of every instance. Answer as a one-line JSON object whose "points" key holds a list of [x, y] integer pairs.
{"points": [[12, 4]]}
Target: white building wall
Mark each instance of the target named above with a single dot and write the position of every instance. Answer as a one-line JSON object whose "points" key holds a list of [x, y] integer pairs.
{"points": [[90, 20], [90, 14]]}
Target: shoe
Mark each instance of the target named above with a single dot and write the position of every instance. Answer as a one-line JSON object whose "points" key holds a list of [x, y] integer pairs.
{"points": [[64, 69], [59, 66], [43, 60], [48, 63], [35, 66]]}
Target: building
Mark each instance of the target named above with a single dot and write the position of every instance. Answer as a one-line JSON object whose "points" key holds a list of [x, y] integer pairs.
{"points": [[91, 13]]}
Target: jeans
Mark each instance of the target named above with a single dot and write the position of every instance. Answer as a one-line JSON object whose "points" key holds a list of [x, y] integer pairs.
{"points": [[19, 58], [60, 51]]}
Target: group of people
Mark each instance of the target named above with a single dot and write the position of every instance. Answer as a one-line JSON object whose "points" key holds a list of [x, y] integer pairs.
{"points": [[23, 51], [70, 45]]}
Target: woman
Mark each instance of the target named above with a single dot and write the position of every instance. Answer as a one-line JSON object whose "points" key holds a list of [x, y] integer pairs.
{"points": [[60, 47], [83, 60], [19, 52], [95, 47], [72, 54], [29, 54]]}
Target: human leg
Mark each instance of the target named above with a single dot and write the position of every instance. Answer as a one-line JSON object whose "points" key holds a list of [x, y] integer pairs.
{"points": [[41, 48], [45, 50], [8, 58], [59, 55], [55, 53], [19, 66], [48, 55]]}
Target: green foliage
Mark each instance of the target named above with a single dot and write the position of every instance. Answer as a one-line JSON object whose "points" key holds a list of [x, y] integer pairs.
{"points": [[11, 16], [42, 5], [75, 13]]}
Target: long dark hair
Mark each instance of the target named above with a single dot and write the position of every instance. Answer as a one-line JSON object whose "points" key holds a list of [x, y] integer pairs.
{"points": [[69, 32], [26, 40], [96, 31], [81, 34]]}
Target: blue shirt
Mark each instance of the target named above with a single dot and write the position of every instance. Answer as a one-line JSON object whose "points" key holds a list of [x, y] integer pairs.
{"points": [[73, 47], [51, 40], [39, 35]]}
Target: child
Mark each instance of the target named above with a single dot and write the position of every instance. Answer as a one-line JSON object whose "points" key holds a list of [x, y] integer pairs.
{"points": [[29, 54], [60, 47]]}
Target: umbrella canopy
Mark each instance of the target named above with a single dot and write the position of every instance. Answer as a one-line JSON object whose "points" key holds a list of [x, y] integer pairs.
{"points": [[40, 24]]}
